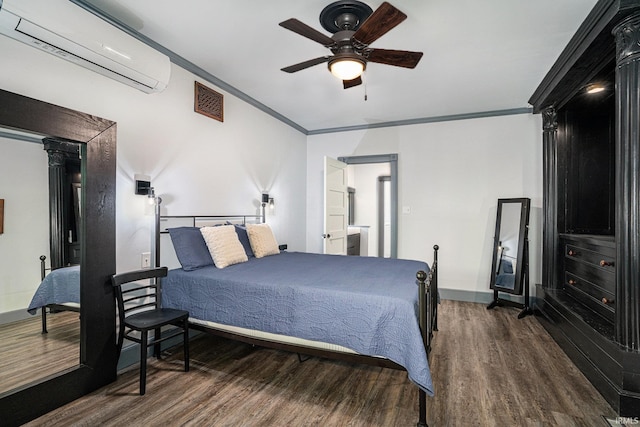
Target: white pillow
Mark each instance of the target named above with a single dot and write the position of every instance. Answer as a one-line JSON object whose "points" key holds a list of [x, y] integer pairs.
{"points": [[263, 242], [224, 245]]}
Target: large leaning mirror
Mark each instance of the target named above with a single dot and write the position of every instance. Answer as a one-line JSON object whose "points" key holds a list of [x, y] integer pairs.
{"points": [[509, 268], [96, 361]]}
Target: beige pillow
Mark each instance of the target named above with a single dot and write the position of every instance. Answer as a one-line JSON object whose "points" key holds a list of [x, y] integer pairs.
{"points": [[224, 245], [263, 242]]}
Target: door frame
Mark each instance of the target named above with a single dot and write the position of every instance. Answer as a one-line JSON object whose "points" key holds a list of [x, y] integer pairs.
{"points": [[392, 159]]}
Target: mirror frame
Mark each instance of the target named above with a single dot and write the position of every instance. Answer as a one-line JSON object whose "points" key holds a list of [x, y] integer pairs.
{"points": [[521, 262], [98, 359]]}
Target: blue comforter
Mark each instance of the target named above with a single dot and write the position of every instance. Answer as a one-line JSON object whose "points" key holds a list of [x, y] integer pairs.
{"points": [[367, 304], [58, 287]]}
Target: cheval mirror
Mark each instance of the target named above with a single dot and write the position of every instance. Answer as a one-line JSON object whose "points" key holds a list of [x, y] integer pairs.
{"points": [[510, 264], [97, 361]]}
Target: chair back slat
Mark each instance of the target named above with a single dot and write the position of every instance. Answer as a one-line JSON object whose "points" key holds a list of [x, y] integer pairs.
{"points": [[137, 297], [132, 276]]}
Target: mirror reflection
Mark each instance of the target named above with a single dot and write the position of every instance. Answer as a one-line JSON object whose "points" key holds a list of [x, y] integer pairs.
{"points": [[509, 256], [507, 248], [25, 168]]}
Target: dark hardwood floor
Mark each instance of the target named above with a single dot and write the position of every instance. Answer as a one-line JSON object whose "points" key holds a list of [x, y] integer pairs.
{"points": [[26, 353], [489, 369]]}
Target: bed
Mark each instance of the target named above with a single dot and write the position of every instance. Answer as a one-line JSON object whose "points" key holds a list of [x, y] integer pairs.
{"points": [[360, 309], [58, 291], [505, 277]]}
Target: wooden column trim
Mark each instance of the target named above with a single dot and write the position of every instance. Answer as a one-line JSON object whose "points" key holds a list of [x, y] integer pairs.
{"points": [[550, 197], [58, 152], [627, 219], [57, 173]]}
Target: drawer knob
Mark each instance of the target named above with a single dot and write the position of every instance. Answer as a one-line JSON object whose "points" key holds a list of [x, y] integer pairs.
{"points": [[572, 282], [572, 252], [604, 263], [606, 300]]}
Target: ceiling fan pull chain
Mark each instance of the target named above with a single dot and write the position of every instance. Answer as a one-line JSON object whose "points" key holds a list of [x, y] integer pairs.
{"points": [[365, 89]]}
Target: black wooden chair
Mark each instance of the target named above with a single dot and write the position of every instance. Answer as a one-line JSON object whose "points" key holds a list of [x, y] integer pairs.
{"points": [[139, 311]]}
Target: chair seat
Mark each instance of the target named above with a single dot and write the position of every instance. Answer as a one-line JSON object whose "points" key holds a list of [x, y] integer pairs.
{"points": [[155, 318]]}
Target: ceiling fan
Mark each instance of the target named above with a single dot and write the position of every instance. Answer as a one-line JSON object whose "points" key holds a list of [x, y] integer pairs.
{"points": [[354, 26]]}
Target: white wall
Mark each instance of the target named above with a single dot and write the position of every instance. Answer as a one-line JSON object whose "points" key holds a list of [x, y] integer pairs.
{"points": [[197, 165], [451, 175], [24, 186]]}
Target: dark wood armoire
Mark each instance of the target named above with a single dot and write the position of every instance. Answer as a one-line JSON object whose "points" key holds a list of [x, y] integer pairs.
{"points": [[589, 298]]}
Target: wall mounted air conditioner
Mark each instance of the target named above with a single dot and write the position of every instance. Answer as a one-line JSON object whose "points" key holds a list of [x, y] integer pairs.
{"points": [[64, 29]]}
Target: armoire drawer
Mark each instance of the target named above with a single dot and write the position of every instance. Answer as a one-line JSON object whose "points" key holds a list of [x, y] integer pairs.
{"points": [[602, 259], [588, 273], [593, 295], [600, 277]]}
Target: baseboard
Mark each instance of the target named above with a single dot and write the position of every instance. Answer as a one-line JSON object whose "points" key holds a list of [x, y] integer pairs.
{"points": [[15, 316], [475, 296]]}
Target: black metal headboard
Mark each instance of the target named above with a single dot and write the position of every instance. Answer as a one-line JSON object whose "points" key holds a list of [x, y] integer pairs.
{"points": [[170, 221]]}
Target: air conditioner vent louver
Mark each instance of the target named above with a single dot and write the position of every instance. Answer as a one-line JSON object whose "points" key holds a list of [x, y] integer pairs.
{"points": [[63, 29]]}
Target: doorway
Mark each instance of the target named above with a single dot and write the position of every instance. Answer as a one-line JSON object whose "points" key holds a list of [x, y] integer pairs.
{"points": [[381, 207]]}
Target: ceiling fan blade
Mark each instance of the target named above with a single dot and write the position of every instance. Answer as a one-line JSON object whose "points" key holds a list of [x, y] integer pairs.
{"points": [[306, 31], [305, 64], [351, 83], [399, 58], [382, 20]]}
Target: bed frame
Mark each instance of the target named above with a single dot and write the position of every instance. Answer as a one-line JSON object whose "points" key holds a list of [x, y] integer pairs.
{"points": [[53, 308], [428, 306]]}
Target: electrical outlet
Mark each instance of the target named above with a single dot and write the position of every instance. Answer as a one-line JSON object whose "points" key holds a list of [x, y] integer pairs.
{"points": [[145, 260]]}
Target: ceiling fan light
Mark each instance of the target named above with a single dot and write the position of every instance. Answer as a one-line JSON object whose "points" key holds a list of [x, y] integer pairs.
{"points": [[346, 68]]}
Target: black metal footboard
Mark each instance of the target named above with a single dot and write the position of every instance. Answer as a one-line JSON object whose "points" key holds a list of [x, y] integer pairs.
{"points": [[52, 307], [428, 301], [43, 272]]}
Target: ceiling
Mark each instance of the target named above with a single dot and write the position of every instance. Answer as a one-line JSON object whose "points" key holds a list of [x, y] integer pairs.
{"points": [[479, 56]]}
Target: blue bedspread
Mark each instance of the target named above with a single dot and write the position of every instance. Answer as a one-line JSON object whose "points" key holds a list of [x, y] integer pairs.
{"points": [[367, 304], [58, 287]]}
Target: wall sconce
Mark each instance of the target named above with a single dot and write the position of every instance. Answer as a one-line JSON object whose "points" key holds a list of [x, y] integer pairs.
{"points": [[143, 184], [266, 200], [144, 188], [270, 201]]}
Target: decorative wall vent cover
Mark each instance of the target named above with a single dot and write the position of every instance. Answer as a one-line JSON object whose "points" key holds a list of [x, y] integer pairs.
{"points": [[209, 102]]}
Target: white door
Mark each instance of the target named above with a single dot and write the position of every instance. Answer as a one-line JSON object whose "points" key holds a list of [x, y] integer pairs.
{"points": [[335, 207]]}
